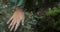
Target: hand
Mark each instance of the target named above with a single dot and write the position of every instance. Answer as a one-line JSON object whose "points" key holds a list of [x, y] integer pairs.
{"points": [[17, 18]]}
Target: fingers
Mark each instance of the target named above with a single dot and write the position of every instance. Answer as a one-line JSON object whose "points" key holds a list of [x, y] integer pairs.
{"points": [[23, 22], [12, 22], [13, 26], [16, 26]]}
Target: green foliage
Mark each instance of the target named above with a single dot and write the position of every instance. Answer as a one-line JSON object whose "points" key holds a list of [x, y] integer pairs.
{"points": [[33, 22], [54, 12]]}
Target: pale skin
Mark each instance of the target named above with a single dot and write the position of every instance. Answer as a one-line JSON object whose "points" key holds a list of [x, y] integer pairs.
{"points": [[17, 18]]}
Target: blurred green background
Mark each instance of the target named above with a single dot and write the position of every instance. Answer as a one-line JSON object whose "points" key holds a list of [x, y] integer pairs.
{"points": [[40, 21]]}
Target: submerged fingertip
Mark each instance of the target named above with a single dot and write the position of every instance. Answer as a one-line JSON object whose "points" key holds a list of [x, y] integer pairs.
{"points": [[22, 24], [9, 27], [14, 30], [10, 30], [7, 22]]}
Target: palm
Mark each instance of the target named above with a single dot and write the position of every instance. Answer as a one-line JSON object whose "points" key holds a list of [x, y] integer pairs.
{"points": [[16, 19]]}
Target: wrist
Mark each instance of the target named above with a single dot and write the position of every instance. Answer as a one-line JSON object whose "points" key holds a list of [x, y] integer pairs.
{"points": [[21, 10]]}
